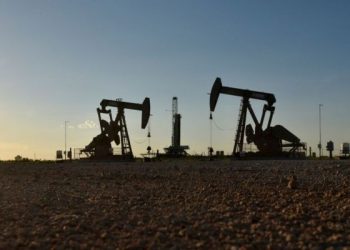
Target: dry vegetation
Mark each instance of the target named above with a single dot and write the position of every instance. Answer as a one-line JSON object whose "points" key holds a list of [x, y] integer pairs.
{"points": [[176, 205]]}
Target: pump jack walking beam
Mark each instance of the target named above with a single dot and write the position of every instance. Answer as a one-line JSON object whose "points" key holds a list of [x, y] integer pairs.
{"points": [[218, 89], [145, 107]]}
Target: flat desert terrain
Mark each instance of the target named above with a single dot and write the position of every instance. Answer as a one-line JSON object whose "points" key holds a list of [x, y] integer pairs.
{"points": [[179, 204]]}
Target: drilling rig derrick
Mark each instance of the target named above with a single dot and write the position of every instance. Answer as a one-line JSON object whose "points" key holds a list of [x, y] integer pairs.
{"points": [[176, 149]]}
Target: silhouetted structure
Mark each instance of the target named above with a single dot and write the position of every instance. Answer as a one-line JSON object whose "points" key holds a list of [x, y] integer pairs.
{"points": [[269, 141], [344, 150], [115, 130], [59, 156], [176, 149], [330, 148]]}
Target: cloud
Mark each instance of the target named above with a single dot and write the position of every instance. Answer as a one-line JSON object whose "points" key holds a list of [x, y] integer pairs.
{"points": [[88, 124]]}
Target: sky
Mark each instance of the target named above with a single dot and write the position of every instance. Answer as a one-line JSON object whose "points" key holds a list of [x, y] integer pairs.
{"points": [[59, 59]]}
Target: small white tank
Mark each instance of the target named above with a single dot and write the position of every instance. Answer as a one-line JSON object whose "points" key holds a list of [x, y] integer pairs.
{"points": [[345, 148]]}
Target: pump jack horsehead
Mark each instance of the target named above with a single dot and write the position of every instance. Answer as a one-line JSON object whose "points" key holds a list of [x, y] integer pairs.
{"points": [[270, 141], [116, 130]]}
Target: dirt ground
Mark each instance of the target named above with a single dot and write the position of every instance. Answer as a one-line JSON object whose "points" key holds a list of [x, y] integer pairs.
{"points": [[183, 204]]}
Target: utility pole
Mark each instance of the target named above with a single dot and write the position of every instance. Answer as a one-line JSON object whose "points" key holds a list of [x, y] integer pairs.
{"points": [[319, 120], [65, 139]]}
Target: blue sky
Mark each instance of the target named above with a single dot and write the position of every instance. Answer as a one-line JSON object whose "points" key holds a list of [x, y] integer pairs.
{"points": [[59, 59]]}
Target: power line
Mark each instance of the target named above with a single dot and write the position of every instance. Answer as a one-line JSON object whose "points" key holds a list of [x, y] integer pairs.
{"points": [[140, 141], [220, 128]]}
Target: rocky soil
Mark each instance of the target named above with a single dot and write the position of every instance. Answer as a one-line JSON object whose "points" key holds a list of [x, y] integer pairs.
{"points": [[176, 205]]}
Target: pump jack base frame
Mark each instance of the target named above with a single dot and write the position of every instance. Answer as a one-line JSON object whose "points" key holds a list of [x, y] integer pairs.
{"points": [[264, 156], [112, 158]]}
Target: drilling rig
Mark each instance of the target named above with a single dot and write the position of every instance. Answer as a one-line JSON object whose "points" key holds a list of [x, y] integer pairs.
{"points": [[176, 150], [271, 141], [115, 130]]}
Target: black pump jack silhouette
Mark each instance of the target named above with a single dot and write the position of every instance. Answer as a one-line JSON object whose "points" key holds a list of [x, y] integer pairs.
{"points": [[116, 130], [269, 141]]}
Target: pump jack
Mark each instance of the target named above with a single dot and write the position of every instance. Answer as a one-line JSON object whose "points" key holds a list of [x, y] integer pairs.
{"points": [[115, 130], [269, 141]]}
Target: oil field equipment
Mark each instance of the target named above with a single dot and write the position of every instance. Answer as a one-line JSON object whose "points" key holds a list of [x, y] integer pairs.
{"points": [[59, 156], [345, 150], [115, 130], [176, 149], [271, 141], [330, 148]]}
